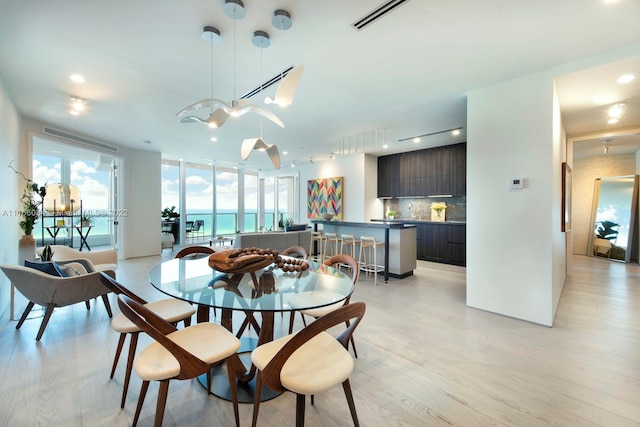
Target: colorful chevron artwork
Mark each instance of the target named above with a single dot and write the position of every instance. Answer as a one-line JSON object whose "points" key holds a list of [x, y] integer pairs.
{"points": [[324, 195]]}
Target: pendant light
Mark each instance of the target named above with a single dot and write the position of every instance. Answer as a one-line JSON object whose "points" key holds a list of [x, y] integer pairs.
{"points": [[289, 83], [218, 115], [261, 40]]}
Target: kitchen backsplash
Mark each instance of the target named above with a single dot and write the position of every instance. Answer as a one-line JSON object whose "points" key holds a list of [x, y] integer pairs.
{"points": [[419, 209]]}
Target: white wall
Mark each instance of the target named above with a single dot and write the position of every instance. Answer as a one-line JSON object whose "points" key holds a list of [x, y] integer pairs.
{"points": [[12, 189], [360, 186], [511, 235], [141, 197]]}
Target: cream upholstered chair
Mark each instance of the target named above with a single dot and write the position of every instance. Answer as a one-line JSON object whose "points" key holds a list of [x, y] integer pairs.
{"points": [[336, 261], [171, 310], [309, 362], [106, 260], [298, 251], [54, 291], [179, 354]]}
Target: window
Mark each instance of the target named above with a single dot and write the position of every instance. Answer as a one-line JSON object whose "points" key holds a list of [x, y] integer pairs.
{"points": [[226, 200]]}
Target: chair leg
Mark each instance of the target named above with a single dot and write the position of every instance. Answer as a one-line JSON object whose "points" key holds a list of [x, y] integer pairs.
{"points": [[256, 398], [292, 316], [352, 407], [47, 316], [231, 372], [127, 376], [187, 322], [353, 343], [304, 322], [300, 410], [107, 306], [143, 394], [161, 403], [25, 314], [123, 336]]}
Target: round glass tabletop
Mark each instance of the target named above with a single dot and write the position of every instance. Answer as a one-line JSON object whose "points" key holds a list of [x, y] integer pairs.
{"points": [[269, 289]]}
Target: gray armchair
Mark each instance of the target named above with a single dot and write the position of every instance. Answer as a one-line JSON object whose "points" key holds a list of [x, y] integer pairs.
{"points": [[51, 291]]}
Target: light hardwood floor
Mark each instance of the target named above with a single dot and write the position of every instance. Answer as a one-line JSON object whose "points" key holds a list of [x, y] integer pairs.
{"points": [[424, 359]]}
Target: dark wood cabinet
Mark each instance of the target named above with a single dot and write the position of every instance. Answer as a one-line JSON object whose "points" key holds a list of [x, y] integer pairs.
{"points": [[442, 243], [435, 171]]}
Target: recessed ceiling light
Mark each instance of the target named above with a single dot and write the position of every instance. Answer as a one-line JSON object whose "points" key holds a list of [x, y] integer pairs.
{"points": [[214, 139], [455, 132], [74, 112], [385, 146], [613, 121], [602, 99], [627, 78], [77, 78], [416, 140], [284, 153]]}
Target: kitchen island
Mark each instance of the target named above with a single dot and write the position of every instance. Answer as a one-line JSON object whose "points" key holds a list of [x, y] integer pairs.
{"points": [[399, 242]]}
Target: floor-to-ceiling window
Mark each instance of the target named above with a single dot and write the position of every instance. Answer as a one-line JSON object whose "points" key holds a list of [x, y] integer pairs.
{"points": [[88, 170], [226, 196], [250, 201], [199, 201]]}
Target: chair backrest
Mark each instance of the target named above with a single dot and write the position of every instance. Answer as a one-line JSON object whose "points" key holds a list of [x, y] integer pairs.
{"points": [[347, 260], [194, 252], [189, 226], [158, 329], [351, 312], [368, 241], [198, 224], [295, 250], [119, 289]]}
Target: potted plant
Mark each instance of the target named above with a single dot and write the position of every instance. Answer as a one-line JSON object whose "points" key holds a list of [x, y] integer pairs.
{"points": [[170, 214], [85, 220], [31, 200], [391, 214]]}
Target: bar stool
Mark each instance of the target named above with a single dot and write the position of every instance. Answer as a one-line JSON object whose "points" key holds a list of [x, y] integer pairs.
{"points": [[316, 237], [330, 245], [368, 251], [348, 243]]}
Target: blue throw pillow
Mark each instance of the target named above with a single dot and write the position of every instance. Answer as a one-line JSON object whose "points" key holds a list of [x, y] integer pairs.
{"points": [[46, 267]]}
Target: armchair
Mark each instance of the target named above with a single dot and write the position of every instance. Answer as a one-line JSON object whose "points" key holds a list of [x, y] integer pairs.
{"points": [[95, 261], [51, 291]]}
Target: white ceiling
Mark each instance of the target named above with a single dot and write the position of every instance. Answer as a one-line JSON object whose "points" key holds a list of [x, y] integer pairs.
{"points": [[407, 74]]}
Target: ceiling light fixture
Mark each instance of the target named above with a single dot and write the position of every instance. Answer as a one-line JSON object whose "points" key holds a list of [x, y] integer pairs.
{"points": [[626, 78], [455, 132], [605, 147], [221, 110], [261, 40], [77, 106], [416, 140], [289, 83], [77, 78]]}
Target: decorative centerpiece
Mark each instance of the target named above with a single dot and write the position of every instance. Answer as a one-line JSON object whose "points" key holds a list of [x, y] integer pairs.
{"points": [[247, 260], [438, 210]]}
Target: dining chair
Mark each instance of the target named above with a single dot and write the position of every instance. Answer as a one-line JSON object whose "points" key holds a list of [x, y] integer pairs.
{"points": [[180, 354], [291, 363], [195, 252], [171, 310], [295, 250], [336, 261]]}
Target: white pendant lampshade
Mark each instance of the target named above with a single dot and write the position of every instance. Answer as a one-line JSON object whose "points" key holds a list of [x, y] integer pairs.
{"points": [[62, 199]]}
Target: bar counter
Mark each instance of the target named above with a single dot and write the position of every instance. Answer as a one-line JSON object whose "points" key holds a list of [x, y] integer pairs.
{"points": [[399, 242]]}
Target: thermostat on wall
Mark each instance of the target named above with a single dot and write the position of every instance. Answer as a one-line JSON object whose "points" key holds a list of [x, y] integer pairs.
{"points": [[516, 183]]}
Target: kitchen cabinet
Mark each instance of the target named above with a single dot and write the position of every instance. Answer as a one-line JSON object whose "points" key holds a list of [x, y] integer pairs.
{"points": [[440, 170], [442, 242]]}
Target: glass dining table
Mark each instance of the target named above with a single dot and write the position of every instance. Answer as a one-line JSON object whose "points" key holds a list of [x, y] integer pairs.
{"points": [[265, 292]]}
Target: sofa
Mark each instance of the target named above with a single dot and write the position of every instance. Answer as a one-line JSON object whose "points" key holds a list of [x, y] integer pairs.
{"points": [[279, 240]]}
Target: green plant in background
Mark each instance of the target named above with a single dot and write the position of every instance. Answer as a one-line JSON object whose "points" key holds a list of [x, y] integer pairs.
{"points": [[170, 214], [607, 230], [31, 200], [85, 219], [391, 213]]}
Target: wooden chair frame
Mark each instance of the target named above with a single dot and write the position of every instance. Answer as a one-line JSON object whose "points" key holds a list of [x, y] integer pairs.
{"points": [[190, 365], [119, 289], [270, 375]]}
